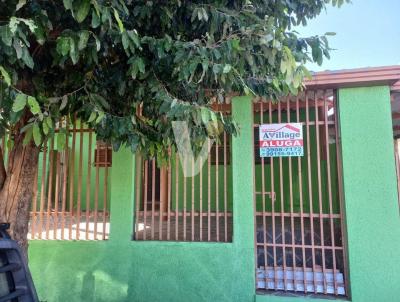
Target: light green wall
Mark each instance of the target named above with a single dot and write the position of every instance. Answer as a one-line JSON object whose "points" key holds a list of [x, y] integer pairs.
{"points": [[125, 270], [372, 213]]}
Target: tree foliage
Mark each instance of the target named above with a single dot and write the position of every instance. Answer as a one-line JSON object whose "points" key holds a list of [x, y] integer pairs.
{"points": [[103, 60]]}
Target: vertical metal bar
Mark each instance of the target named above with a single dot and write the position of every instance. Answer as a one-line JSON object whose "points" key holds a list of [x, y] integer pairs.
{"points": [[217, 187], [263, 203], [105, 195], [80, 171], [225, 190], [65, 178], [56, 195], [310, 192], [96, 191], [300, 176], [162, 188], [282, 216], [42, 188], [176, 196], [201, 199], [328, 171], [137, 184], [192, 212], [169, 197], [72, 180], [50, 188], [209, 194], [184, 199], [146, 183], [321, 221], [153, 195], [88, 185], [291, 203], [273, 197]]}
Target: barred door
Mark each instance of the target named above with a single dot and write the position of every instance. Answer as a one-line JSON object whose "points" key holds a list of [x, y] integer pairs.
{"points": [[300, 244]]}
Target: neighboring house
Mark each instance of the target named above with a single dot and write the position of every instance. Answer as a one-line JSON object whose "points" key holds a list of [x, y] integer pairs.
{"points": [[245, 228]]}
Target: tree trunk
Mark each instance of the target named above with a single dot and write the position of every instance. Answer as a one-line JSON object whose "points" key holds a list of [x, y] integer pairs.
{"points": [[18, 189]]}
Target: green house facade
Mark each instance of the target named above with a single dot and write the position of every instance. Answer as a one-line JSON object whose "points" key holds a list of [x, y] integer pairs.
{"points": [[315, 226]]}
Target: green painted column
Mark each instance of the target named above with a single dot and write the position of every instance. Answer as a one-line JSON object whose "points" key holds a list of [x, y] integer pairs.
{"points": [[370, 193], [122, 196], [243, 187]]}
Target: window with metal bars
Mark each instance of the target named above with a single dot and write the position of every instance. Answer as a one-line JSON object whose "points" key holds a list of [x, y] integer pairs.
{"points": [[300, 245], [72, 187], [171, 206], [102, 155]]}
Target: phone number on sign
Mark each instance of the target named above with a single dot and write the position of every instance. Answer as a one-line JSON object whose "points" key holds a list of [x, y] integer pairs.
{"points": [[279, 151]]}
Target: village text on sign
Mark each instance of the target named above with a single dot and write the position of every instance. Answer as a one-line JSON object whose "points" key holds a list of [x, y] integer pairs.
{"points": [[281, 140]]}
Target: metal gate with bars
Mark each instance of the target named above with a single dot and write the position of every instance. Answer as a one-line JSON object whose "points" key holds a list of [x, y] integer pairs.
{"points": [[299, 234], [72, 200], [170, 206]]}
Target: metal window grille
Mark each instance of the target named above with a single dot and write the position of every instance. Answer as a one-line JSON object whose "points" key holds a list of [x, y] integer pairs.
{"points": [[300, 244], [172, 207], [103, 155], [72, 199]]}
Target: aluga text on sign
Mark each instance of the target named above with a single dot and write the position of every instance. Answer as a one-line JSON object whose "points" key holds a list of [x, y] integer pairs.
{"points": [[285, 139]]}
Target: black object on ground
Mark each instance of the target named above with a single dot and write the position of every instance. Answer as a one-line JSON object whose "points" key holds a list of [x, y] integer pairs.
{"points": [[16, 283]]}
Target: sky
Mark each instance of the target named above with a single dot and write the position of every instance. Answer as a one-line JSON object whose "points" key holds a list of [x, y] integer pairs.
{"points": [[367, 34]]}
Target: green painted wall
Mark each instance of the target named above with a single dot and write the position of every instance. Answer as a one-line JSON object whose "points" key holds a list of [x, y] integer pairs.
{"points": [[372, 213], [125, 270]]}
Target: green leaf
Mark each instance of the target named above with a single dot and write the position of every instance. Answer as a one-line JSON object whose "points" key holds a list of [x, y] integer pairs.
{"points": [[45, 128], [118, 19], [98, 45], [73, 52], [205, 116], [48, 121], [26, 57], [100, 117], [64, 102], [82, 10], [19, 102], [20, 4], [125, 40], [33, 105], [95, 19], [5, 75], [63, 45], [83, 39], [39, 33], [6, 35], [61, 139], [92, 117], [30, 23], [13, 24], [67, 4], [27, 137], [100, 100], [37, 135], [227, 68]]}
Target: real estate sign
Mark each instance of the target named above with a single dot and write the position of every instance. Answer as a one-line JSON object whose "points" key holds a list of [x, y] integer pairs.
{"points": [[281, 140]]}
